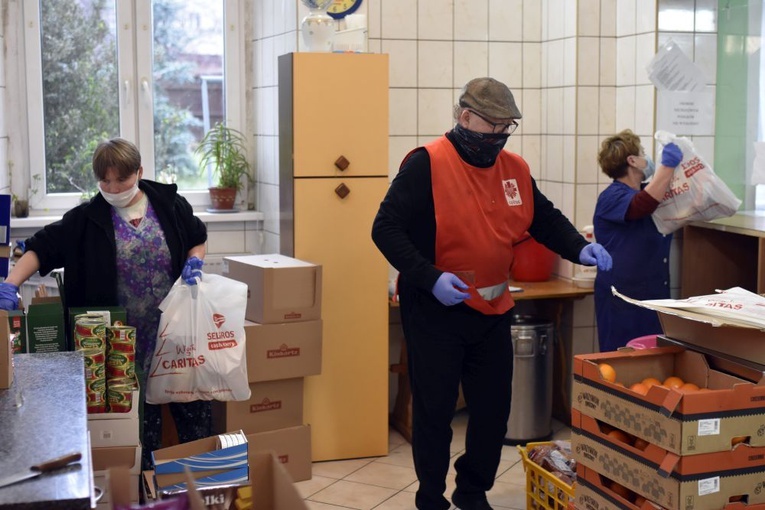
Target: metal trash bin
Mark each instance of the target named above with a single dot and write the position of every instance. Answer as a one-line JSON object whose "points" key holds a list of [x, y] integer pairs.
{"points": [[531, 406]]}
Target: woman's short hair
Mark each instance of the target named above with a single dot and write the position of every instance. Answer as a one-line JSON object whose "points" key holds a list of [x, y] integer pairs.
{"points": [[116, 153], [615, 150]]}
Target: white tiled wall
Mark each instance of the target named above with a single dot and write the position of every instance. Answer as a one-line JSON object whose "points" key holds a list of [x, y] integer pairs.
{"points": [[576, 67]]}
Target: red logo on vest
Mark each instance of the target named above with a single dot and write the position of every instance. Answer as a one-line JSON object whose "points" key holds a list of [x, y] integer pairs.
{"points": [[218, 319], [512, 195]]}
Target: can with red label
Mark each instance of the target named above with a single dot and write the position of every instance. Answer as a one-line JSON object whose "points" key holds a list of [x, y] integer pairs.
{"points": [[95, 363], [120, 395]]}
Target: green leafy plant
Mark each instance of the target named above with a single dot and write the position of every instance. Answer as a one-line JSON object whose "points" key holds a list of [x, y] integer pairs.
{"points": [[223, 149]]}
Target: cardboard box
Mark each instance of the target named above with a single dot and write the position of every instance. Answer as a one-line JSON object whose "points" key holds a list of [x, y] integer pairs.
{"points": [[710, 493], [272, 405], [593, 443], [283, 350], [45, 326], [17, 322], [115, 429], [270, 486], [280, 288], [203, 457], [593, 492], [663, 476], [292, 447], [712, 333], [682, 423], [128, 457], [6, 352]]}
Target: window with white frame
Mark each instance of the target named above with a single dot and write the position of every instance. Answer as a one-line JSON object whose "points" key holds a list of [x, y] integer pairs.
{"points": [[159, 73]]}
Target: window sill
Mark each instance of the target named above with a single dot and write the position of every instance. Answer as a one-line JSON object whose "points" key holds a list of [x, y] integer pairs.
{"points": [[40, 221]]}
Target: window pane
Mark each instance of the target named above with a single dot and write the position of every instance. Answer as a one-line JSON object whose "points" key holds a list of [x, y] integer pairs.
{"points": [[80, 95], [188, 85]]}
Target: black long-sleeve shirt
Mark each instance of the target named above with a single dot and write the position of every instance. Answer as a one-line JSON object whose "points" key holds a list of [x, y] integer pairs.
{"points": [[404, 229]]}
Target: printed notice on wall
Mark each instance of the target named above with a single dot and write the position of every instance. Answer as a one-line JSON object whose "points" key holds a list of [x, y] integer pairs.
{"points": [[671, 69], [686, 113]]}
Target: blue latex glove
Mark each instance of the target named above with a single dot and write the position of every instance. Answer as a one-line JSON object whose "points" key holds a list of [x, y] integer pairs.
{"points": [[671, 156], [9, 296], [191, 271], [595, 255], [445, 290]]}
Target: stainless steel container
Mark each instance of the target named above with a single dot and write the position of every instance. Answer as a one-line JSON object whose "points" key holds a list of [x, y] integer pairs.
{"points": [[531, 406]]}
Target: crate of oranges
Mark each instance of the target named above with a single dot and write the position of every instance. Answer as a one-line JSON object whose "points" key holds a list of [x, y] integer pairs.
{"points": [[550, 474], [669, 397]]}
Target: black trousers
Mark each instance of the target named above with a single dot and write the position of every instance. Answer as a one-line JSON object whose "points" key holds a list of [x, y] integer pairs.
{"points": [[447, 346], [192, 421]]}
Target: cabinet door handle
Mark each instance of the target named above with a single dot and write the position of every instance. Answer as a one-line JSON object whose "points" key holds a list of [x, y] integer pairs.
{"points": [[342, 163], [342, 190]]}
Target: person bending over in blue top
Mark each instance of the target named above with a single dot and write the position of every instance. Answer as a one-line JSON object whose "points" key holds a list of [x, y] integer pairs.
{"points": [[623, 225]]}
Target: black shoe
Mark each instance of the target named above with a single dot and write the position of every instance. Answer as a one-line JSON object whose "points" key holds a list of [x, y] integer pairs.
{"points": [[475, 501]]}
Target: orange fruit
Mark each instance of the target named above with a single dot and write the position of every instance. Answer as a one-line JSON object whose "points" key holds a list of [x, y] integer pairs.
{"points": [[688, 387], [738, 439], [640, 388], [621, 436], [607, 372], [640, 443], [673, 382], [651, 381]]}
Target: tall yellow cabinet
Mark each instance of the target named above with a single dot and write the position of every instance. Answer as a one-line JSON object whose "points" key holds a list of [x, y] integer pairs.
{"points": [[333, 173]]}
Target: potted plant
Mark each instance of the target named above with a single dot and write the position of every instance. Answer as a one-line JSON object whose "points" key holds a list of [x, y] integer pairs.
{"points": [[21, 205], [223, 148]]}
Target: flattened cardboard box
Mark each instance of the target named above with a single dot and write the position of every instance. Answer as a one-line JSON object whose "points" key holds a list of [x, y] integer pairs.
{"points": [[685, 424], [706, 480], [283, 350], [711, 333], [272, 405], [280, 288]]}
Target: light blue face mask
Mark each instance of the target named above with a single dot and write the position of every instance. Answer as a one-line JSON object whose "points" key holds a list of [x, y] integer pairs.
{"points": [[650, 168]]}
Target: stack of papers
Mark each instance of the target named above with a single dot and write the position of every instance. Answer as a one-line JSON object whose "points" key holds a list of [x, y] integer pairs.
{"points": [[734, 306]]}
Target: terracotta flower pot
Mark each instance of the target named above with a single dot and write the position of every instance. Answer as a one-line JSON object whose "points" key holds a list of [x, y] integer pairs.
{"points": [[222, 198]]}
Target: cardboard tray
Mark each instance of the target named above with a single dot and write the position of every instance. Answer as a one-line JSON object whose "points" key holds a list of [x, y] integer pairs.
{"points": [[592, 493], [595, 446], [685, 424]]}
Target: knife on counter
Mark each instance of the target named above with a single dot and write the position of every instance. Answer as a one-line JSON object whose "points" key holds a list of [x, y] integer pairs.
{"points": [[39, 469]]}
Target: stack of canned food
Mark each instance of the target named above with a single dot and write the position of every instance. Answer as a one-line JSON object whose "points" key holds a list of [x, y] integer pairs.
{"points": [[109, 353]]}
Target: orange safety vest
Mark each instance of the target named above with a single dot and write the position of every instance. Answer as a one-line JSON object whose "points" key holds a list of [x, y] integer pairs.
{"points": [[480, 213]]}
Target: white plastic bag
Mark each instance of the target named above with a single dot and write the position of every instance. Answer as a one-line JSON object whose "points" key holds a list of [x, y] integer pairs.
{"points": [[200, 351], [695, 194]]}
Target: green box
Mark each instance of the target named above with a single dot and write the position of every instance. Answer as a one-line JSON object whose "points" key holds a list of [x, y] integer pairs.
{"points": [[45, 327], [17, 320]]}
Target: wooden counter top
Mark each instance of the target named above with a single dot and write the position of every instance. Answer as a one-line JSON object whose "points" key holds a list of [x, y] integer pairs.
{"points": [[551, 289], [750, 223]]}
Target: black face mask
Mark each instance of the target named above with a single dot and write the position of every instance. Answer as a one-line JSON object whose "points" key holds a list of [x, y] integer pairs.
{"points": [[481, 149]]}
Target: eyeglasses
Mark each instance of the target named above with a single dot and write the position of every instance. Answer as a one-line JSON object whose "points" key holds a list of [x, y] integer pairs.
{"points": [[498, 127]]}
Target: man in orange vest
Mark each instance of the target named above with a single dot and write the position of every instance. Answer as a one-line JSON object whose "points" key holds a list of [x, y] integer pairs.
{"points": [[448, 224]]}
